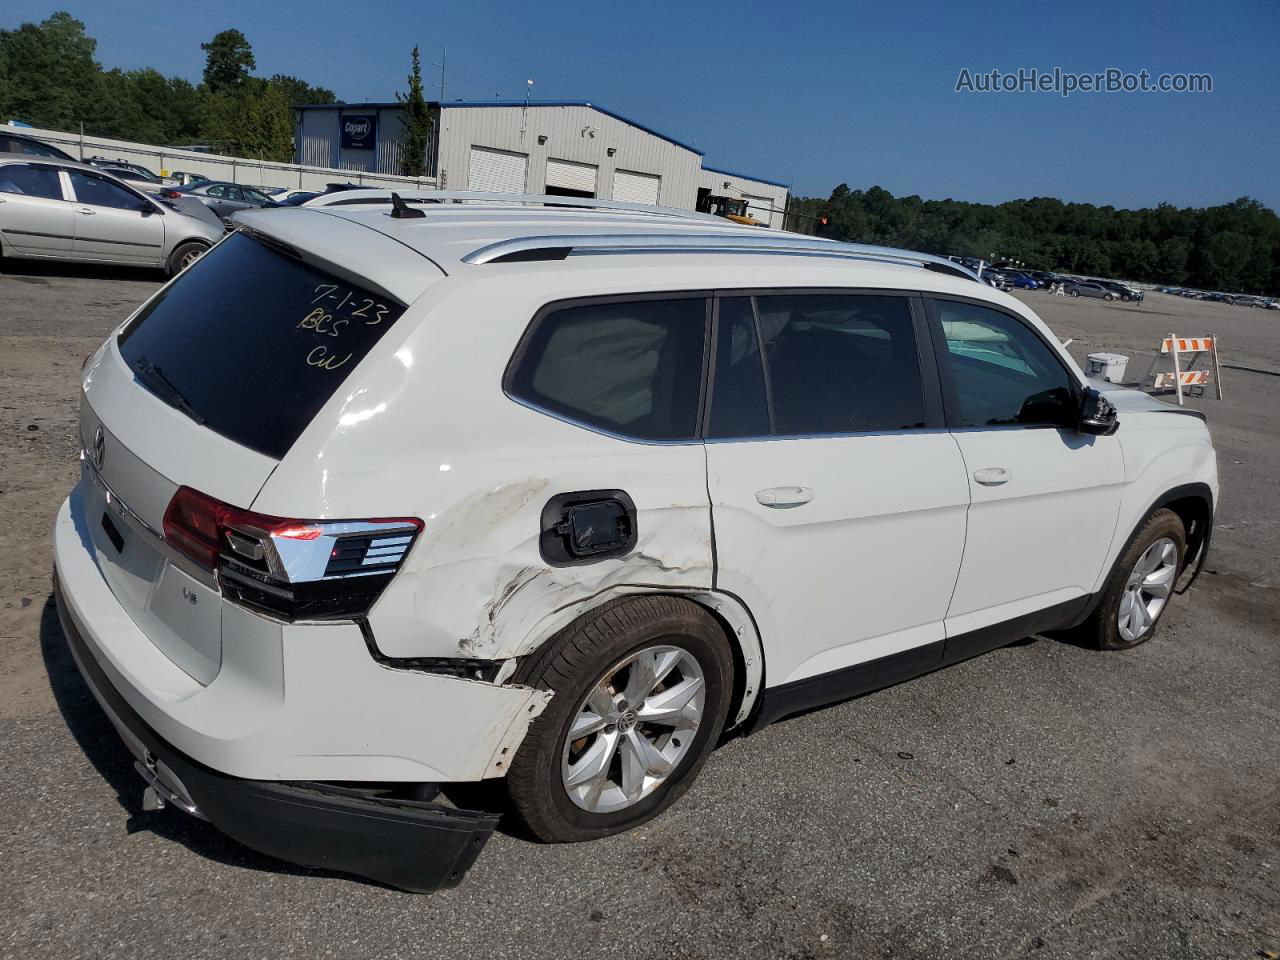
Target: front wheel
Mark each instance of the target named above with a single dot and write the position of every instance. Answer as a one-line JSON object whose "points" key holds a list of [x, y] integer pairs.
{"points": [[1074, 293], [1108, 298], [642, 687], [184, 256], [1141, 583]]}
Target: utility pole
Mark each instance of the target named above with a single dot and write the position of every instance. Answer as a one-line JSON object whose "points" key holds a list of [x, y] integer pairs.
{"points": [[444, 55]]}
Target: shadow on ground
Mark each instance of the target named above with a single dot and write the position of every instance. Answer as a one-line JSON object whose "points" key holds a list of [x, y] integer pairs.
{"points": [[37, 271], [103, 747]]}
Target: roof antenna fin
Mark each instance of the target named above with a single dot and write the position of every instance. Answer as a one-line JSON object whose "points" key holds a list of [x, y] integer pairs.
{"points": [[402, 211]]}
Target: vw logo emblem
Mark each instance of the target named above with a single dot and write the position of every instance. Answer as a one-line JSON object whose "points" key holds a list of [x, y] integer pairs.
{"points": [[99, 448]]}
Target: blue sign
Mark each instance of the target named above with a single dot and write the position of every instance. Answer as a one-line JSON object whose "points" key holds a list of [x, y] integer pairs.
{"points": [[359, 131]]}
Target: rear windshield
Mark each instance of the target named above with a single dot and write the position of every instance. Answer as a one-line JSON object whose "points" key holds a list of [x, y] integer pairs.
{"points": [[252, 342]]}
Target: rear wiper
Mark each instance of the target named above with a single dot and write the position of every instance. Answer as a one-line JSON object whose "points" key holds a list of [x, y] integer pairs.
{"points": [[163, 388]]}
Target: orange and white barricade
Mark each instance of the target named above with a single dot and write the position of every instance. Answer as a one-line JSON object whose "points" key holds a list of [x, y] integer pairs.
{"points": [[1185, 378]]}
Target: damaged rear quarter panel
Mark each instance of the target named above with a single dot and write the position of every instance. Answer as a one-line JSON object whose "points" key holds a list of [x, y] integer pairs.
{"points": [[423, 428], [483, 589]]}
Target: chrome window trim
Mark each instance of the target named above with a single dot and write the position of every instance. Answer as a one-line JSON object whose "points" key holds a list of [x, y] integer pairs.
{"points": [[571, 421], [850, 435]]}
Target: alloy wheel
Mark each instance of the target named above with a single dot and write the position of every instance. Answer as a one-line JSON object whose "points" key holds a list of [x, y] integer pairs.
{"points": [[1147, 589], [633, 728]]}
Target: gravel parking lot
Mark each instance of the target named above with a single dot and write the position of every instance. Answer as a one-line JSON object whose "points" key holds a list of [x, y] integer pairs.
{"points": [[1042, 800]]}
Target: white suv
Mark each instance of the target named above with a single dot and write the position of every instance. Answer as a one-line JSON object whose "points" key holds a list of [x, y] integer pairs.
{"points": [[382, 497]]}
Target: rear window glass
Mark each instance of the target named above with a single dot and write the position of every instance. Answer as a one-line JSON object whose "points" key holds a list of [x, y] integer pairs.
{"points": [[631, 368], [30, 181], [253, 342]]}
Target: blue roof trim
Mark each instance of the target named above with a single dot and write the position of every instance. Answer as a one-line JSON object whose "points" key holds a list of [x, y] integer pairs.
{"points": [[574, 103], [746, 176], [347, 106]]}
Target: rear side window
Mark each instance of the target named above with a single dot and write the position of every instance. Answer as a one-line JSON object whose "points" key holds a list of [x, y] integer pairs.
{"points": [[840, 363], [632, 368], [253, 341], [27, 181]]}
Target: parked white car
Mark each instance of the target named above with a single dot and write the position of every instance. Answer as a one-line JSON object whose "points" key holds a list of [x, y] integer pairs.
{"points": [[374, 502]]}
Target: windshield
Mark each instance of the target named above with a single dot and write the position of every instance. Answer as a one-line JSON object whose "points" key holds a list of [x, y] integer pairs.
{"points": [[252, 341]]}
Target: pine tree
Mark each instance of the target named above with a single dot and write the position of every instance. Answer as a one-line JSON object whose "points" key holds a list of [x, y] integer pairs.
{"points": [[417, 124]]}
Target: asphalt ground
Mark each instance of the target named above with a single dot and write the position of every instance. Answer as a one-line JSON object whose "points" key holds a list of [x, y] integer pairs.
{"points": [[1041, 801]]}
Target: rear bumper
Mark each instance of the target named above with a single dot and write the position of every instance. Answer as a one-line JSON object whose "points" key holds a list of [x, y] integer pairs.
{"points": [[411, 845], [289, 702]]}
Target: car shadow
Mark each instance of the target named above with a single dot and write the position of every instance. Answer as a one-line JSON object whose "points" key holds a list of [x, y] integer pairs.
{"points": [[98, 739], [35, 271]]}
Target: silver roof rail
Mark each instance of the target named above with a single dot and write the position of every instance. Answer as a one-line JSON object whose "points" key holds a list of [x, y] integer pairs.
{"points": [[765, 242], [342, 198]]}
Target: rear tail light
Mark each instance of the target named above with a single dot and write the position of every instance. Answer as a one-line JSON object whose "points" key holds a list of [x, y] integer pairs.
{"points": [[295, 569], [170, 194]]}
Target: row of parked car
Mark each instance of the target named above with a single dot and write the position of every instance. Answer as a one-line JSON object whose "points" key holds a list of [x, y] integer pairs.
{"points": [[55, 207], [1007, 278], [1235, 299]]}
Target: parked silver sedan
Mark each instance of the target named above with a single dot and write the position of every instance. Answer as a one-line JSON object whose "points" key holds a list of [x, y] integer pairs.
{"points": [[56, 210], [1090, 290], [221, 197]]}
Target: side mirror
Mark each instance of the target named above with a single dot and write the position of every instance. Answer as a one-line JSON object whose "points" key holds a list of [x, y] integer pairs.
{"points": [[1098, 415]]}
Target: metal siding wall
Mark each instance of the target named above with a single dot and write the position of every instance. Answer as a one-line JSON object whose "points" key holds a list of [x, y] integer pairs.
{"points": [[390, 130], [500, 128], [319, 138]]}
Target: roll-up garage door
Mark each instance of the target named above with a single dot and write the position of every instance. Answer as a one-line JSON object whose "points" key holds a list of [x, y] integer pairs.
{"points": [[497, 171], [759, 208], [572, 176], [631, 187]]}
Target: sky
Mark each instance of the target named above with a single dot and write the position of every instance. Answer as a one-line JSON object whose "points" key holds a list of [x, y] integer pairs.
{"points": [[814, 92]]}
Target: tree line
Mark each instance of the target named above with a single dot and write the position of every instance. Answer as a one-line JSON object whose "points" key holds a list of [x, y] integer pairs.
{"points": [[1234, 247], [49, 78]]}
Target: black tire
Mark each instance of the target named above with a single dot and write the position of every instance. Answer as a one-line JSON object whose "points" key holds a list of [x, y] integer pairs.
{"points": [[1073, 293], [1108, 297], [183, 253], [573, 661], [1102, 628]]}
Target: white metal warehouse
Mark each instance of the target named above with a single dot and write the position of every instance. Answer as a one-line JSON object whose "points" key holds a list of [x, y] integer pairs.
{"points": [[561, 147]]}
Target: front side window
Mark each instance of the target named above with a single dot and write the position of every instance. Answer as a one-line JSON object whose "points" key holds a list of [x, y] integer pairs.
{"points": [[840, 363], [98, 192], [632, 368], [1004, 374], [20, 179]]}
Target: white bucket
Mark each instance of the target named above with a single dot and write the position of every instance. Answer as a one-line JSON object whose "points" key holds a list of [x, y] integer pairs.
{"points": [[1107, 366]]}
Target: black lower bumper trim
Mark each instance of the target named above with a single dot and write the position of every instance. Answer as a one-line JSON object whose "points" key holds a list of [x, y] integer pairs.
{"points": [[407, 844]]}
